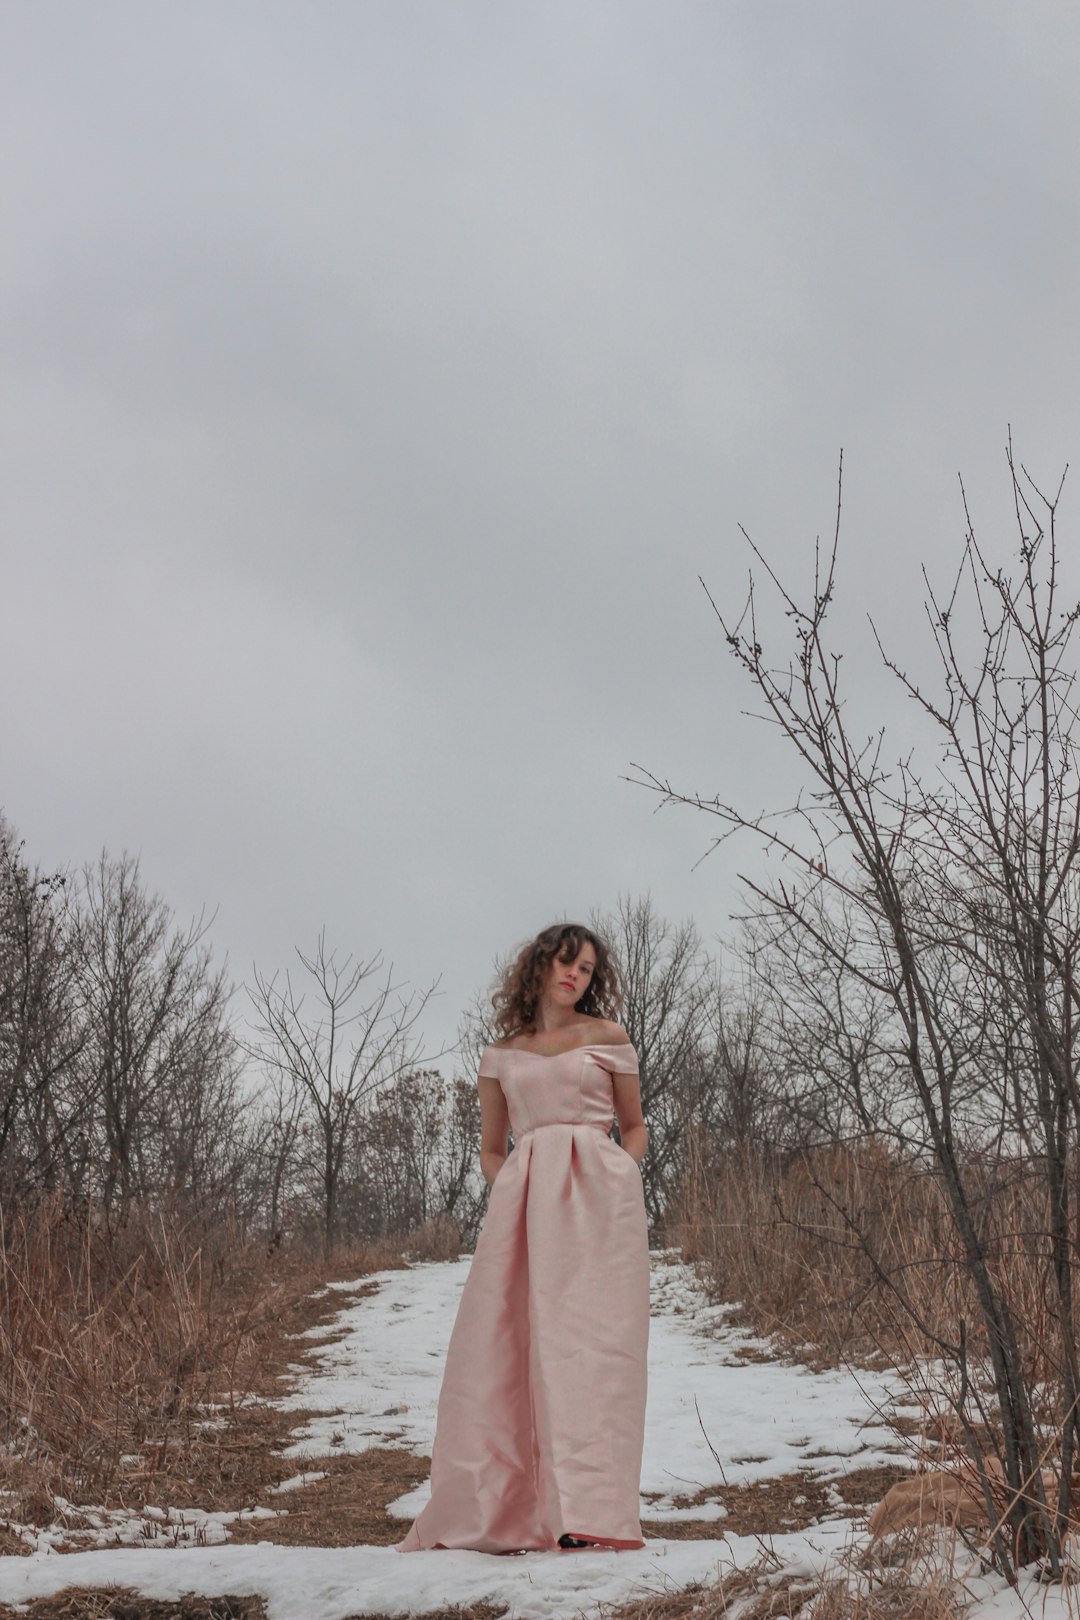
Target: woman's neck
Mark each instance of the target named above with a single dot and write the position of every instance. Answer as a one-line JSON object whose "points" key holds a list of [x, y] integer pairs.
{"points": [[552, 1018]]}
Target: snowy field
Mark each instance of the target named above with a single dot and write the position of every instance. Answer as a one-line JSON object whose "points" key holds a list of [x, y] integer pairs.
{"points": [[378, 1384]]}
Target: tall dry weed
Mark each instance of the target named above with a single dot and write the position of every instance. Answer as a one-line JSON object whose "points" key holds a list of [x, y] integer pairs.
{"points": [[106, 1338], [115, 1341], [852, 1250]]}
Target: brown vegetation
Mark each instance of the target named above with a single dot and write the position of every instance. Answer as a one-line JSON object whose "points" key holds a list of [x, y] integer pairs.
{"points": [[814, 1246], [132, 1361], [348, 1507], [119, 1603], [765, 1590]]}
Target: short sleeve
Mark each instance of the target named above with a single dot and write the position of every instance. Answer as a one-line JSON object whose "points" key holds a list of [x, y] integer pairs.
{"points": [[622, 1059], [489, 1063]]}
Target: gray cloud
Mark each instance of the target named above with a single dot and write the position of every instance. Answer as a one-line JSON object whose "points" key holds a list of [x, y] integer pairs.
{"points": [[378, 379]]}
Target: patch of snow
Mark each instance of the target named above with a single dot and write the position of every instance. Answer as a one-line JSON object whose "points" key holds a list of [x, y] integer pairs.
{"points": [[295, 1483], [86, 1526], [321, 1583]]}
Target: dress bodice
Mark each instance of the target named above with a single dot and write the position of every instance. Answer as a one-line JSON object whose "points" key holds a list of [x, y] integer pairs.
{"points": [[561, 1088]]}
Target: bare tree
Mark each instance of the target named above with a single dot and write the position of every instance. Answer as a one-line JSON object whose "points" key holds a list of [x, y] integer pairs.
{"points": [[199, 1143], [414, 1158], [946, 896], [119, 1071], [39, 1037], [282, 1104], [751, 1089], [476, 1027], [669, 985], [153, 1009], [338, 1051]]}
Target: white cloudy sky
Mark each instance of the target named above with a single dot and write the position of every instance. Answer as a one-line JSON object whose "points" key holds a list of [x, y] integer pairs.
{"points": [[378, 378]]}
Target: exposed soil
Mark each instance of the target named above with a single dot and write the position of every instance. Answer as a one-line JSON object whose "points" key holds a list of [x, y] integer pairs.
{"points": [[346, 1508], [789, 1503], [770, 1506], [863, 1488]]}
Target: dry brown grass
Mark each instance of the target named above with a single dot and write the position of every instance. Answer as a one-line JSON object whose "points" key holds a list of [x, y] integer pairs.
{"points": [[786, 1503], [766, 1591], [115, 1348], [781, 1236], [347, 1508], [119, 1603], [787, 1238], [768, 1234]]}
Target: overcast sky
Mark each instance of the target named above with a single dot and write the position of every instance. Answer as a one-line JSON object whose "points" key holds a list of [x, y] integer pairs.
{"points": [[379, 377]]}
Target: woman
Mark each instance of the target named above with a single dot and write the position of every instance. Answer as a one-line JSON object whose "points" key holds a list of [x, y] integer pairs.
{"points": [[542, 1409]]}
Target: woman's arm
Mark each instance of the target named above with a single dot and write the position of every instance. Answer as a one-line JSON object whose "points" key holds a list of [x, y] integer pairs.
{"points": [[633, 1133], [494, 1126]]}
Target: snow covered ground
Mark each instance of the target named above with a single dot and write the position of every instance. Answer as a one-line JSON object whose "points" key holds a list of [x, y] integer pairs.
{"points": [[378, 1384], [764, 1418]]}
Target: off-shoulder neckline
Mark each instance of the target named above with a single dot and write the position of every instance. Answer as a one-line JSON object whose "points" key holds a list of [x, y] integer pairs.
{"points": [[588, 1046]]}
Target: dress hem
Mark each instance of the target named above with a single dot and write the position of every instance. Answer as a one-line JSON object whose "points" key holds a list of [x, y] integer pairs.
{"points": [[514, 1552]]}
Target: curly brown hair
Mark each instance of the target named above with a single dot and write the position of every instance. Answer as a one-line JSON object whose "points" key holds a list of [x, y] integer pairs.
{"points": [[518, 995]]}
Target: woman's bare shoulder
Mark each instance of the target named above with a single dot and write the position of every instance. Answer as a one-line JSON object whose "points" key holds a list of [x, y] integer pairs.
{"points": [[611, 1033]]}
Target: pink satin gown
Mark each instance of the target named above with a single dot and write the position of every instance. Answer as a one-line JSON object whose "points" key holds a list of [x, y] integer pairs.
{"points": [[541, 1414]]}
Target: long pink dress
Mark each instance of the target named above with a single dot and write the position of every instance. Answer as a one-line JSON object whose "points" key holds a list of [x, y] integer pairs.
{"points": [[541, 1413]]}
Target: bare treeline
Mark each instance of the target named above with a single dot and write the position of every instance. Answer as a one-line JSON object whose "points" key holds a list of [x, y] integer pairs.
{"points": [[362, 1132], [119, 1074], [132, 1075], [129, 1081]]}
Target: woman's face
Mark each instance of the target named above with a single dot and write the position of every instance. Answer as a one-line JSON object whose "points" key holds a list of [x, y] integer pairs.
{"points": [[568, 981]]}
